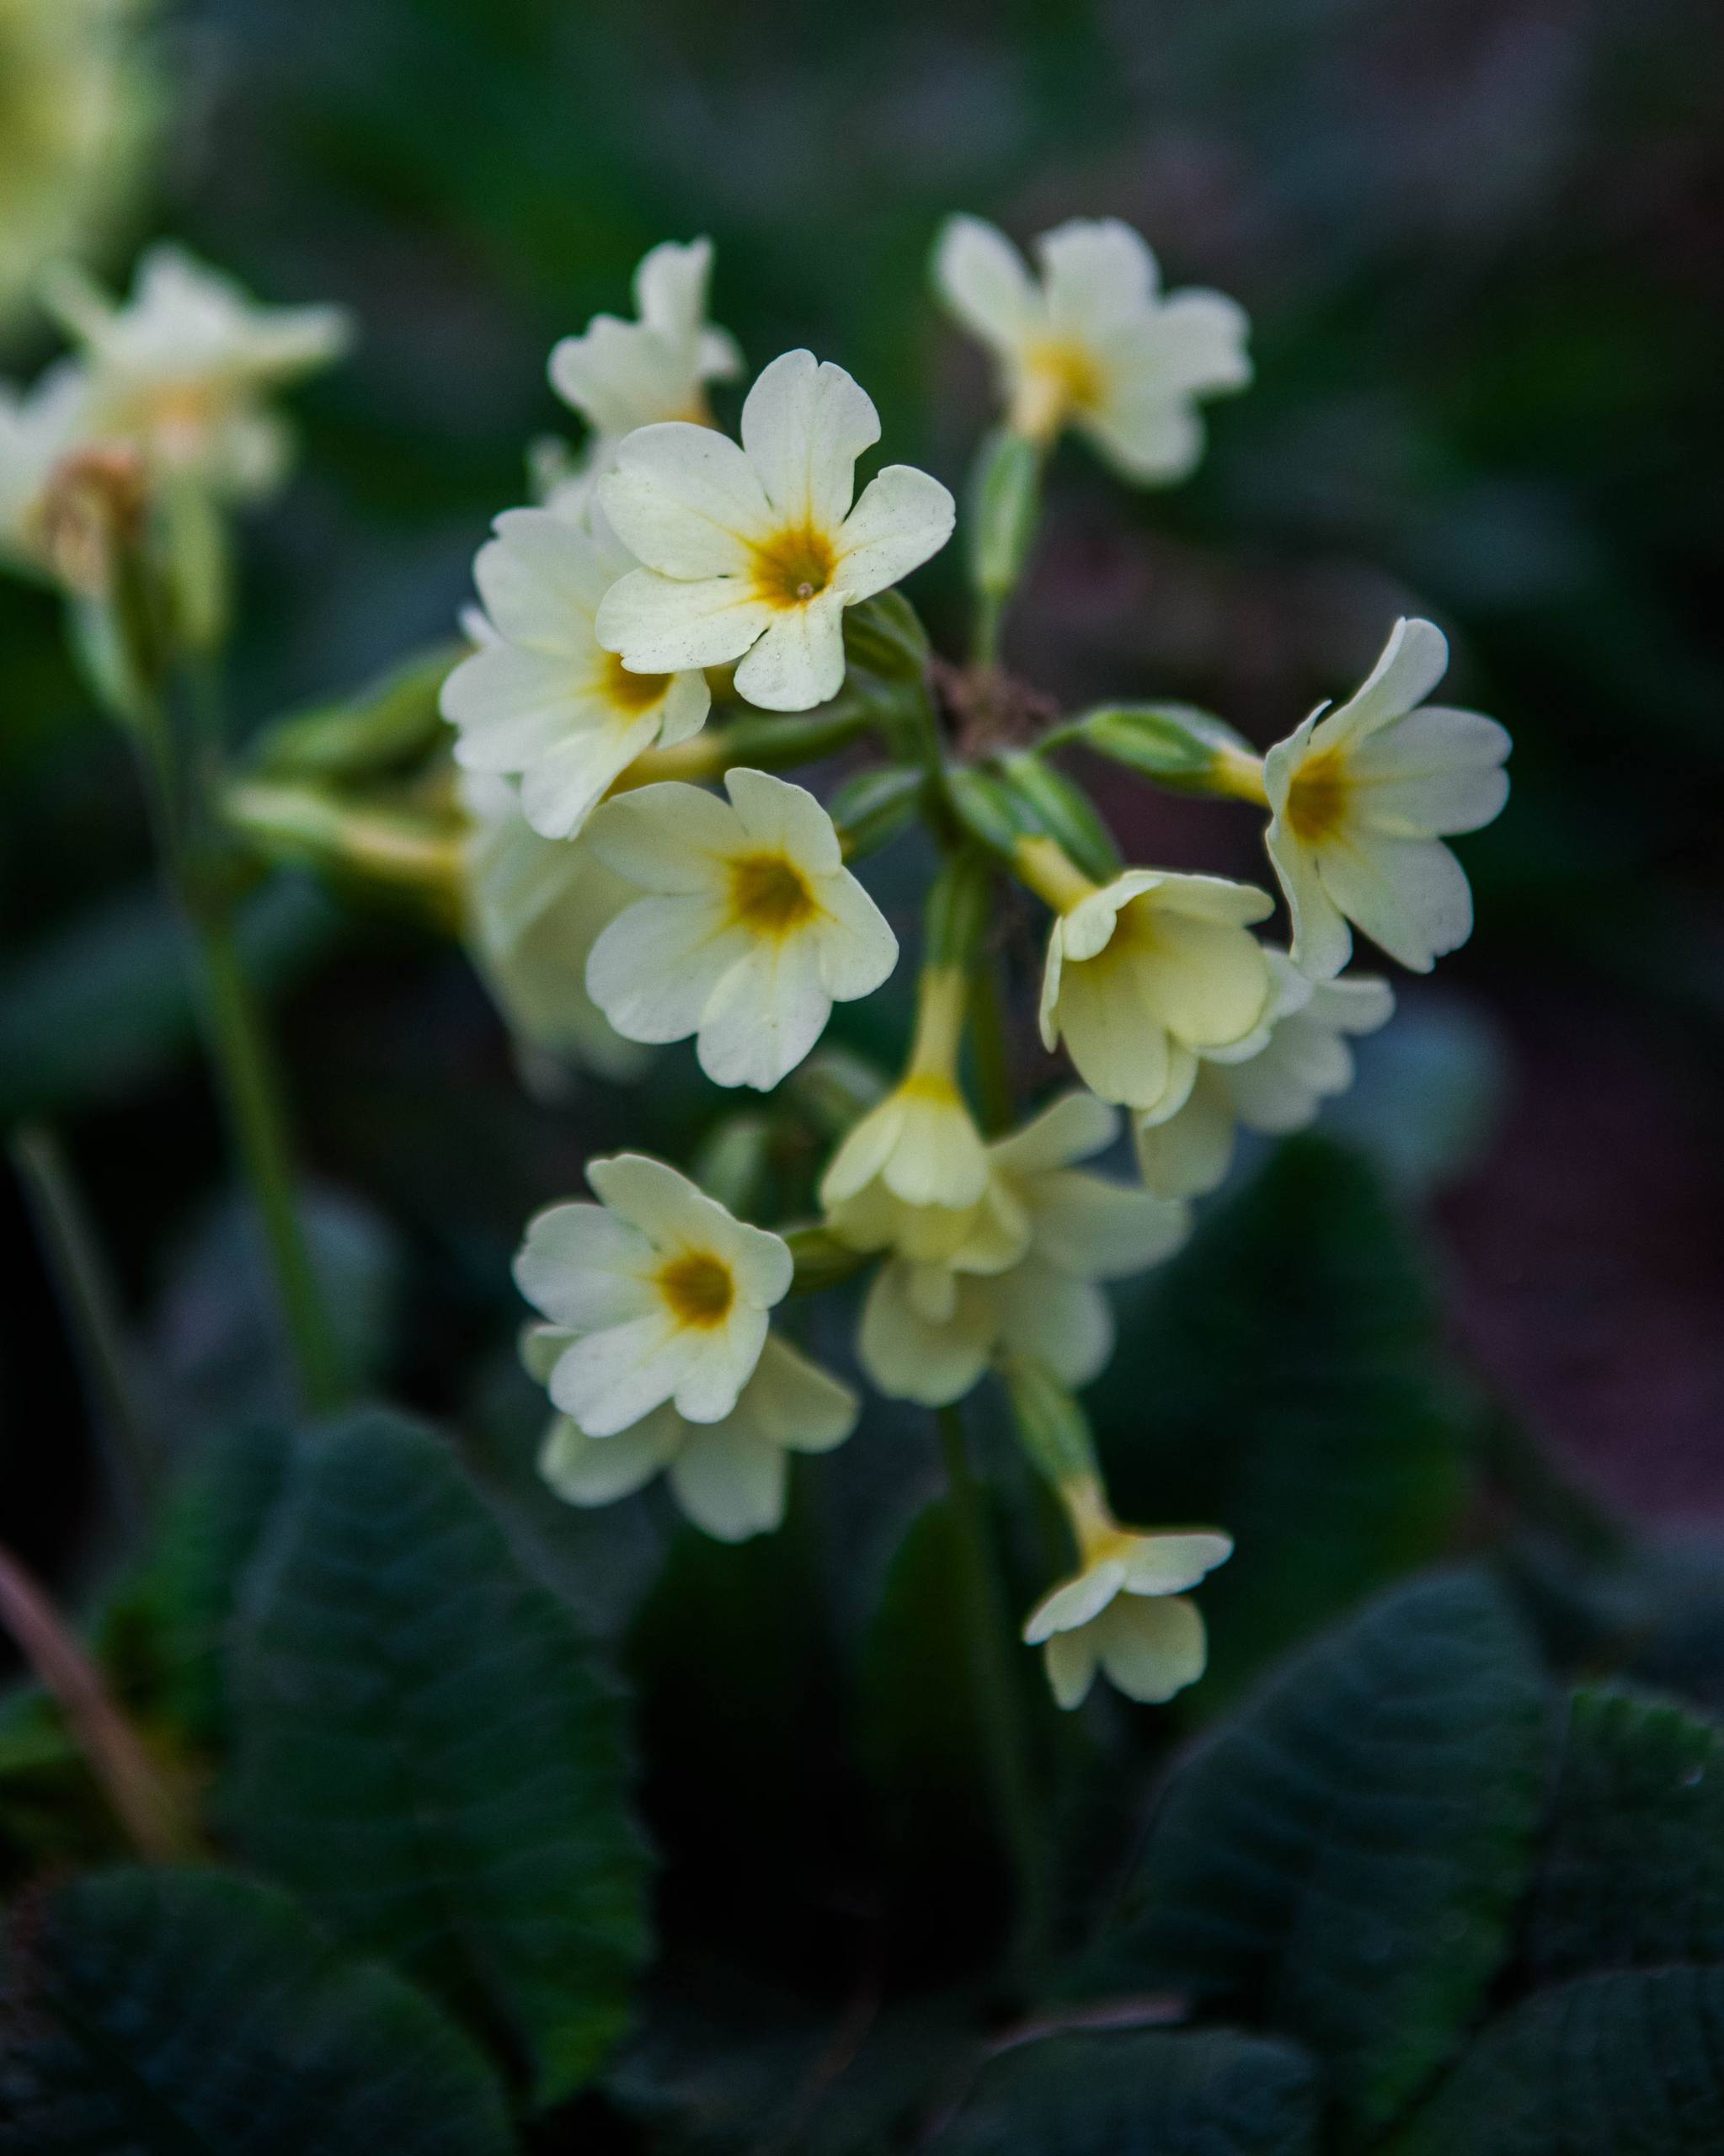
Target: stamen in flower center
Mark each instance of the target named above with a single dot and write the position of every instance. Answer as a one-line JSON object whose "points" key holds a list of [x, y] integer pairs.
{"points": [[632, 692], [793, 567], [1316, 801], [698, 1289], [770, 895]]}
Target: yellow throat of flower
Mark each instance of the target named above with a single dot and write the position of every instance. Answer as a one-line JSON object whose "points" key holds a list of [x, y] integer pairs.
{"points": [[1059, 379], [698, 1289], [1317, 799], [793, 567], [631, 694], [770, 895]]}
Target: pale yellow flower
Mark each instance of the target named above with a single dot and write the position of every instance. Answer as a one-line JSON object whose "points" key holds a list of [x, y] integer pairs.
{"points": [[1124, 1609], [752, 554], [662, 1294], [1094, 344], [1360, 799], [747, 927], [1146, 974], [730, 1476]]}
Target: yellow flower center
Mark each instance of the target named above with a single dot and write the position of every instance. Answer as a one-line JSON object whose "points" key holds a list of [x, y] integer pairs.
{"points": [[770, 895], [793, 567], [1059, 378], [1317, 799], [632, 693], [698, 1289]]}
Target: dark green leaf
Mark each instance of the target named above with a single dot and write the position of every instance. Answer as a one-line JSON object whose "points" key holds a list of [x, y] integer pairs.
{"points": [[192, 2014], [1625, 2064], [1341, 1861], [425, 1752], [1142, 2094], [1281, 1377], [1633, 1867]]}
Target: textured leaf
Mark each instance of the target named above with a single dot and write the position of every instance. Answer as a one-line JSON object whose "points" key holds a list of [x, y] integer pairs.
{"points": [[426, 1754], [189, 2013], [1630, 2063], [1152, 2093], [1281, 1376], [1340, 1861], [1632, 1873]]}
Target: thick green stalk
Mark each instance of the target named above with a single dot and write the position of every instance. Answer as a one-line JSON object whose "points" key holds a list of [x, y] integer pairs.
{"points": [[74, 1258], [993, 1654]]}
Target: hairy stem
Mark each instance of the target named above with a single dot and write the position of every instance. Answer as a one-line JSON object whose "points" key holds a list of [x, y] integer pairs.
{"points": [[85, 1291]]}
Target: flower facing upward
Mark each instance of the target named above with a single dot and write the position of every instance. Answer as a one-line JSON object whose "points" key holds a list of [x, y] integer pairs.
{"points": [[664, 1295], [1360, 801], [929, 1330], [1299, 1059], [729, 1476], [1125, 1608], [1094, 345], [1145, 972], [535, 908], [540, 699], [181, 370], [753, 553], [751, 929], [619, 375]]}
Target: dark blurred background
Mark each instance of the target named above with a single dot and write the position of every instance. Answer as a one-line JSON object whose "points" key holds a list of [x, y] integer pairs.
{"points": [[1479, 244]]}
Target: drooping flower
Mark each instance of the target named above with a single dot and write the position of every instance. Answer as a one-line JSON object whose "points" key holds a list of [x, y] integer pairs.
{"points": [[929, 1330], [1301, 1059], [535, 908], [184, 370], [1146, 972], [752, 554], [912, 1174], [664, 1295], [729, 1477], [540, 699], [621, 375], [751, 929], [1125, 1608], [1094, 345], [1360, 800], [78, 105]]}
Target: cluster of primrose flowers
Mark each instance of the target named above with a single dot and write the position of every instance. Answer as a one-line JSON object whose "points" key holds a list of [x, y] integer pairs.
{"points": [[633, 870]]}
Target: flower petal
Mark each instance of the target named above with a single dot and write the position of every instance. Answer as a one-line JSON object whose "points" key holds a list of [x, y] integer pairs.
{"points": [[1152, 1650], [670, 283], [1435, 771], [1322, 943], [1413, 661], [1096, 273], [1069, 1128], [1410, 896], [730, 1484], [1167, 1564], [908, 1359], [585, 1470], [541, 579], [785, 818], [804, 424], [857, 949], [1076, 1601], [1120, 1050], [903, 518], [662, 626], [583, 1267], [1095, 1230], [560, 789], [798, 661], [1066, 1325], [1190, 1152], [610, 1379], [984, 280], [654, 969], [687, 501], [792, 1401], [667, 838], [707, 1388], [764, 1012]]}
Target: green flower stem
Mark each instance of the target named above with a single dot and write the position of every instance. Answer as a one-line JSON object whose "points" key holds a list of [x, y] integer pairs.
{"points": [[993, 1653], [239, 1053], [987, 1033], [256, 1119], [85, 1290], [1004, 509]]}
